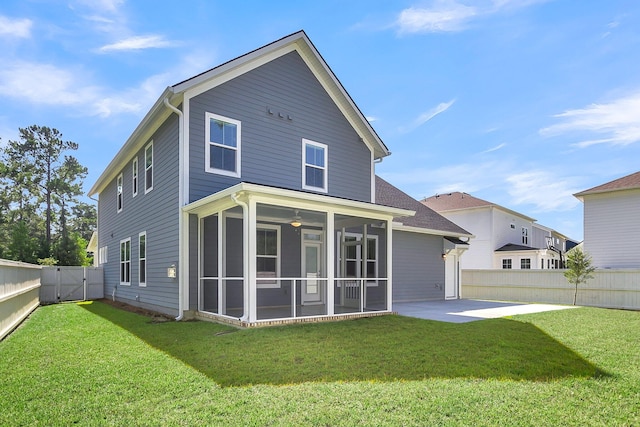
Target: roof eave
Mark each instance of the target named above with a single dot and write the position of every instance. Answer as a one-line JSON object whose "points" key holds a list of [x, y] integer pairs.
{"points": [[137, 138]]}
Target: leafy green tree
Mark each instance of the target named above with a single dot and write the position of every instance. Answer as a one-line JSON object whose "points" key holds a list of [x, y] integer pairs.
{"points": [[39, 187], [84, 218], [37, 171], [579, 269]]}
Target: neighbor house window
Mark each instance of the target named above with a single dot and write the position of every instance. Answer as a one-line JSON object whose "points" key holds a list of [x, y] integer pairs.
{"points": [[148, 168], [354, 259], [134, 176], [525, 236], [125, 262], [314, 166], [267, 255], [119, 193], [222, 145], [506, 264], [525, 263], [102, 255], [142, 259]]}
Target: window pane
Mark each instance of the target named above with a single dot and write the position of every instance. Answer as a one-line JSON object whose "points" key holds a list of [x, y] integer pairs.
{"points": [[371, 249], [371, 269], [267, 242], [351, 252], [223, 158], [149, 178], [314, 177], [143, 271], [143, 246], [314, 155], [351, 268], [223, 133], [266, 265], [148, 157]]}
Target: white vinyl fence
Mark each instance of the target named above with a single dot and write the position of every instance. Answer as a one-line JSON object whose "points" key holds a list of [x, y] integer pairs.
{"points": [[608, 288], [71, 284], [19, 288]]}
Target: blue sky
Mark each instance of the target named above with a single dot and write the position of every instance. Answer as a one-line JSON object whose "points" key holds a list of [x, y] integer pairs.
{"points": [[519, 102]]}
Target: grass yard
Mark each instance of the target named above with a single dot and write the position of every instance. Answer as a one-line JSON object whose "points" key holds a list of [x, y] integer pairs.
{"points": [[93, 364]]}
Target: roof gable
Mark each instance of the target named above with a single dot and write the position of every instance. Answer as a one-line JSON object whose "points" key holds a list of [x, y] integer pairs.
{"points": [[629, 182], [458, 201], [180, 92]]}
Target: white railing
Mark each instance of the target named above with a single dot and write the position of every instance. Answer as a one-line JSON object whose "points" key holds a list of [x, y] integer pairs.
{"points": [[19, 293], [351, 293], [608, 288]]}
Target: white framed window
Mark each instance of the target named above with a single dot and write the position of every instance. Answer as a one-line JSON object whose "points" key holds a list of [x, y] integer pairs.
{"points": [[314, 166], [103, 255], [268, 255], [125, 262], [222, 145], [148, 168], [134, 176], [119, 197], [525, 236], [525, 263], [506, 264], [354, 259], [142, 258]]}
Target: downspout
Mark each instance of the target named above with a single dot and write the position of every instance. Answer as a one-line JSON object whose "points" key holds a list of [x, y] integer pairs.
{"points": [[182, 265], [245, 255]]}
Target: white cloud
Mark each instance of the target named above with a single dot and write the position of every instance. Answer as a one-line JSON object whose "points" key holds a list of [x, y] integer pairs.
{"points": [[614, 123], [371, 119], [138, 43], [428, 115], [496, 148], [443, 17], [546, 191], [19, 28], [451, 16], [110, 6]]}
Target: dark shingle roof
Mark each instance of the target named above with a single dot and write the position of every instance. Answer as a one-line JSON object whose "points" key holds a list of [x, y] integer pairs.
{"points": [[388, 195], [514, 247], [628, 182]]}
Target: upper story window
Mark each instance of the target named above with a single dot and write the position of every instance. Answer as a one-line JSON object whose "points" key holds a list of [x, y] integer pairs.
{"points": [[525, 263], [525, 236], [314, 166], [506, 264], [148, 168], [222, 145], [134, 176], [119, 193]]}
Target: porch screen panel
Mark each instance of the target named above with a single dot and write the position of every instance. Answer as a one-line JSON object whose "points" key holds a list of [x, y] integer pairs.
{"points": [[209, 284], [232, 284]]}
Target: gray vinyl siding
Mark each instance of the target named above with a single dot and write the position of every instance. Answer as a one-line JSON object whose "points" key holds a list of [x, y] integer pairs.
{"points": [[156, 213], [271, 147], [418, 269]]}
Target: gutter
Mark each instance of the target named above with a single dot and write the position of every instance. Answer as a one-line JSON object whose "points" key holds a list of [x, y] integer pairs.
{"points": [[182, 251]]}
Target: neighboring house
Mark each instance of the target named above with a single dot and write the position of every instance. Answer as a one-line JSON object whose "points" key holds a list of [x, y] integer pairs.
{"points": [[503, 238], [248, 194], [612, 222]]}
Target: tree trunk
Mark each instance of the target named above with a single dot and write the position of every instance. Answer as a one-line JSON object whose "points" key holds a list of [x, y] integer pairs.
{"points": [[575, 295]]}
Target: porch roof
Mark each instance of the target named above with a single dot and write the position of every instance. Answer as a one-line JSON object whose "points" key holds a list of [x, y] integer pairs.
{"points": [[226, 199]]}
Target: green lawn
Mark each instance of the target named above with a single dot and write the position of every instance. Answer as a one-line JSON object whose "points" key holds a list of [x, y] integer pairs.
{"points": [[92, 364]]}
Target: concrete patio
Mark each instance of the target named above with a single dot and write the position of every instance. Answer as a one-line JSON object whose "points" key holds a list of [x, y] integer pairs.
{"points": [[466, 310]]}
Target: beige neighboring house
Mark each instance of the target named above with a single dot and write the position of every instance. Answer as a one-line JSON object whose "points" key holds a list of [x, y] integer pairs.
{"points": [[612, 222], [504, 238]]}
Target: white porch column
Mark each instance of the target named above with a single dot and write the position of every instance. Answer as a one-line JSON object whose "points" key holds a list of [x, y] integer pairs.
{"points": [[250, 240], [330, 263], [389, 264], [222, 268]]}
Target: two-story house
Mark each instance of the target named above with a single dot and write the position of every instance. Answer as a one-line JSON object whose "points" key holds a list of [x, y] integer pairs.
{"points": [[504, 238], [611, 225], [248, 194]]}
